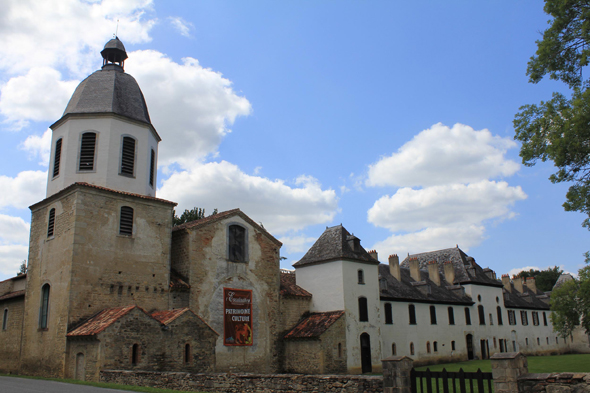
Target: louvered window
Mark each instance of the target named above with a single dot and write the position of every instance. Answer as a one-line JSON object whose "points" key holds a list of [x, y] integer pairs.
{"points": [[152, 167], [57, 157], [87, 149], [51, 223], [126, 222], [128, 156]]}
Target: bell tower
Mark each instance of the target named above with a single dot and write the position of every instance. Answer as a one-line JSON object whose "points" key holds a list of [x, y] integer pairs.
{"points": [[105, 136]]}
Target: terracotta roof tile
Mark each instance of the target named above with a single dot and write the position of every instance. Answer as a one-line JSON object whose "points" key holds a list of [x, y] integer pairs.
{"points": [[100, 321], [289, 286], [12, 295], [314, 325], [167, 316]]}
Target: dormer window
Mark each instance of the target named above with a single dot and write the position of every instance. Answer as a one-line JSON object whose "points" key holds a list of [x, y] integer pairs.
{"points": [[87, 150], [237, 243], [128, 157]]}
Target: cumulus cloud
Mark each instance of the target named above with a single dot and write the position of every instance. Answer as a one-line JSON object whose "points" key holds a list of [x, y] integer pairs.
{"points": [[298, 243], [14, 236], [448, 205], [182, 26], [187, 103], [11, 257], [443, 155], [39, 147], [279, 207], [26, 188]]}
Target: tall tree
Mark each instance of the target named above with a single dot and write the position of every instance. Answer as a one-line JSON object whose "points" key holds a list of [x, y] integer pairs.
{"points": [[558, 130]]}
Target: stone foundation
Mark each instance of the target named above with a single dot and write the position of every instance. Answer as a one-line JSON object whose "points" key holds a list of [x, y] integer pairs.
{"points": [[554, 383]]}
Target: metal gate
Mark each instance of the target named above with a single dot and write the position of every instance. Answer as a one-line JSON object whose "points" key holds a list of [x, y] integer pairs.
{"points": [[450, 382]]}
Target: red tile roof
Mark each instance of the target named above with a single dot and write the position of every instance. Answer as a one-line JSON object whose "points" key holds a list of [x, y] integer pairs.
{"points": [[289, 286], [11, 295], [314, 325], [100, 321], [167, 316]]}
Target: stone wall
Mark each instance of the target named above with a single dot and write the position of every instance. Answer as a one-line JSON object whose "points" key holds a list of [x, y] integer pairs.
{"points": [[247, 383], [10, 338], [554, 383]]}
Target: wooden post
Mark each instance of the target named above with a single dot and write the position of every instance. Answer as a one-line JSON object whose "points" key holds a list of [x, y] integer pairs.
{"points": [[396, 374]]}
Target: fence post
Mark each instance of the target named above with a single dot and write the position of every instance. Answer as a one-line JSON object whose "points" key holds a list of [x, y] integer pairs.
{"points": [[396, 374], [506, 368]]}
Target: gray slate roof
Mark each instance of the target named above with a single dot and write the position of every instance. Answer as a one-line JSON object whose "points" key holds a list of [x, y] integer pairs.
{"points": [[109, 91], [115, 43], [334, 245], [527, 299], [404, 290], [466, 270]]}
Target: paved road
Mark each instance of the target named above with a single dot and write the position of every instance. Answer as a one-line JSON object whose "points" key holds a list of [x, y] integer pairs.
{"points": [[23, 385]]}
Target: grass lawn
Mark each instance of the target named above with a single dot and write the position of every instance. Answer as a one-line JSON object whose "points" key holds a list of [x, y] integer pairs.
{"points": [[577, 363], [104, 385]]}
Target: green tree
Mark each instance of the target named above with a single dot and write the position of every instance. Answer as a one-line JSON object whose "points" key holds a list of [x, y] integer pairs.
{"points": [[23, 268], [544, 279], [558, 130], [189, 215]]}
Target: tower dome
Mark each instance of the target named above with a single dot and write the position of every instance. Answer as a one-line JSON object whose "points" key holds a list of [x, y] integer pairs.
{"points": [[105, 136]]}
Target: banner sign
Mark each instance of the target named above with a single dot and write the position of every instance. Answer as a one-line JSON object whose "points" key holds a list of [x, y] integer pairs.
{"points": [[237, 323]]}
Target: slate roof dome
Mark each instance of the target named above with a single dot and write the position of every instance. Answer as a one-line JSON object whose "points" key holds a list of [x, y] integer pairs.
{"points": [[110, 90]]}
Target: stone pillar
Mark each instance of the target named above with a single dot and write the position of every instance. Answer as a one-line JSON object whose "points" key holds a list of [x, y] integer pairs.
{"points": [[506, 368], [396, 374]]}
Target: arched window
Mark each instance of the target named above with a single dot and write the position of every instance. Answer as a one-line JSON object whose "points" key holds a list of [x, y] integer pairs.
{"points": [[467, 316], [451, 316], [432, 315], [363, 310], [237, 243], [482, 315], [187, 353], [5, 319], [388, 314], [412, 312], [57, 157], [393, 350], [435, 346], [134, 354], [361, 276], [427, 346], [152, 167], [128, 156], [51, 223], [412, 349], [44, 310], [87, 150], [499, 315], [126, 221]]}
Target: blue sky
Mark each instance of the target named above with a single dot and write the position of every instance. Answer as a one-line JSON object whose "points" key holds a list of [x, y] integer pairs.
{"points": [[392, 118]]}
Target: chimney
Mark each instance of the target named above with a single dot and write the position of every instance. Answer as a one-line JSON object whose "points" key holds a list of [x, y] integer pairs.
{"points": [[373, 254], [531, 284], [506, 282], [433, 273], [415, 269], [517, 283], [449, 270], [394, 267]]}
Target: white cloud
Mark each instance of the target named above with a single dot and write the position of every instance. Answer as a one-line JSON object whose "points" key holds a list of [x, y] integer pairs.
{"points": [[453, 204], [299, 243], [26, 188], [279, 207], [39, 146], [14, 236], [11, 257], [182, 26], [187, 103], [443, 155]]}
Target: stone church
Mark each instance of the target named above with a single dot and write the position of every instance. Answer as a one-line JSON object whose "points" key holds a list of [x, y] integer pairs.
{"points": [[112, 284]]}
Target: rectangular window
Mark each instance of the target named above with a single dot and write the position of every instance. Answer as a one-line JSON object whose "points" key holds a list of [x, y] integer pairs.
{"points": [[5, 319], [535, 318], [87, 148], [524, 318], [388, 314], [412, 312], [432, 315], [128, 156], [152, 167], [126, 221], [544, 318], [51, 223], [44, 311], [363, 310], [467, 316], [451, 316], [57, 157], [511, 317], [237, 243]]}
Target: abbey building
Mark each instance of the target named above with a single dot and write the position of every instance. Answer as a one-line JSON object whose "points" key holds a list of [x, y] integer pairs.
{"points": [[111, 284]]}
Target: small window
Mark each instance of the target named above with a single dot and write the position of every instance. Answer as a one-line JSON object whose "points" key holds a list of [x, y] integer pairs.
{"points": [[51, 223], [538, 341], [187, 354], [44, 311], [361, 276], [547, 340], [544, 318], [393, 350], [499, 314], [556, 340], [237, 243], [152, 167], [495, 345], [87, 148], [339, 350], [482, 315], [511, 317], [412, 349], [126, 221], [363, 310], [128, 156], [526, 340], [451, 316], [57, 157], [134, 355], [535, 318], [490, 319], [435, 346], [388, 314], [5, 319], [427, 346], [479, 298], [412, 312], [452, 345], [467, 316], [432, 315], [524, 318]]}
